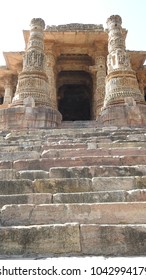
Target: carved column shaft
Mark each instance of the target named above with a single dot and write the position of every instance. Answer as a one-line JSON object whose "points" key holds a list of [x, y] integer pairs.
{"points": [[33, 80], [100, 84], [8, 90], [121, 81], [50, 69], [99, 74]]}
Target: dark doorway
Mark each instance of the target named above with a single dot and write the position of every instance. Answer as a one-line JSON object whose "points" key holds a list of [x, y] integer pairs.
{"points": [[74, 102], [1, 100], [145, 93], [74, 95]]}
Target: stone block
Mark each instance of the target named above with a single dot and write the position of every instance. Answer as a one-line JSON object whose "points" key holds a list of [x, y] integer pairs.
{"points": [[113, 183], [26, 164], [132, 160], [140, 182], [62, 185], [90, 197], [113, 240], [46, 239], [96, 171], [12, 156], [30, 198], [15, 187], [6, 164], [7, 174], [136, 195], [32, 174]]}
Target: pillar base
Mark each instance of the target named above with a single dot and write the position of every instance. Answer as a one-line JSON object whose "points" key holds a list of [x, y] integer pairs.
{"points": [[123, 115], [28, 117]]}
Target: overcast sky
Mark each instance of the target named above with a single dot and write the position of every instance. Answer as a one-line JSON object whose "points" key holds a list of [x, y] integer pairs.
{"points": [[16, 15]]}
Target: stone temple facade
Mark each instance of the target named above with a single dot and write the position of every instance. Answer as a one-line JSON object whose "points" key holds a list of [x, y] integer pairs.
{"points": [[73, 72]]}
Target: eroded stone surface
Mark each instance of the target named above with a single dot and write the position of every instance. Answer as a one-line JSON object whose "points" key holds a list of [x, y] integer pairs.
{"points": [[53, 239], [96, 213], [113, 240]]}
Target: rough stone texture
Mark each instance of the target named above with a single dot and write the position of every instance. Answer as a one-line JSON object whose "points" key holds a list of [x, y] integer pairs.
{"points": [[15, 187], [96, 213], [53, 239], [62, 185], [25, 198], [46, 164], [113, 183], [113, 240], [33, 174], [7, 174], [95, 171], [28, 117], [92, 197]]}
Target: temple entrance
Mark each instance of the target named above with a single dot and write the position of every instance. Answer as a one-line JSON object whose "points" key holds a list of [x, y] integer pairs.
{"points": [[75, 95]]}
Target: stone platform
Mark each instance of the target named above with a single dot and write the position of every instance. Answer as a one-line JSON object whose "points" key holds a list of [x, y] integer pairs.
{"points": [[22, 117], [73, 192]]}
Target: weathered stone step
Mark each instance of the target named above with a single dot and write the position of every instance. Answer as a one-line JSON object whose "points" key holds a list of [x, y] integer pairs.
{"points": [[12, 156], [15, 187], [73, 239], [123, 144], [96, 171], [78, 124], [87, 197], [24, 186], [46, 164], [29, 198], [100, 197], [113, 240], [84, 213], [93, 144], [8, 174], [71, 185], [89, 185], [62, 185], [32, 174], [19, 148], [71, 131], [45, 239], [59, 153], [80, 197], [57, 145]]}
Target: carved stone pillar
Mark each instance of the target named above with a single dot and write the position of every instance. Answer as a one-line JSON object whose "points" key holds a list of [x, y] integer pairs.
{"points": [[141, 78], [33, 80], [8, 90], [123, 103], [32, 106], [100, 83], [50, 69], [121, 80], [99, 74]]}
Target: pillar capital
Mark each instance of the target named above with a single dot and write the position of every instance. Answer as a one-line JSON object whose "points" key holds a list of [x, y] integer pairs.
{"points": [[37, 23]]}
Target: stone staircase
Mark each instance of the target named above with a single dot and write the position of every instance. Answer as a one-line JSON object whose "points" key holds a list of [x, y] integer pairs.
{"points": [[78, 191]]}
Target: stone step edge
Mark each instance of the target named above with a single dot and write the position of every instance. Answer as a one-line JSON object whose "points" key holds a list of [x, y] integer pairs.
{"points": [[72, 185], [89, 213], [62, 198]]}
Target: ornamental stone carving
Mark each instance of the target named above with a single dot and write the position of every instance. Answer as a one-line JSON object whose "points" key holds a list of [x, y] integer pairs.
{"points": [[99, 93], [33, 80], [8, 85], [121, 80]]}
